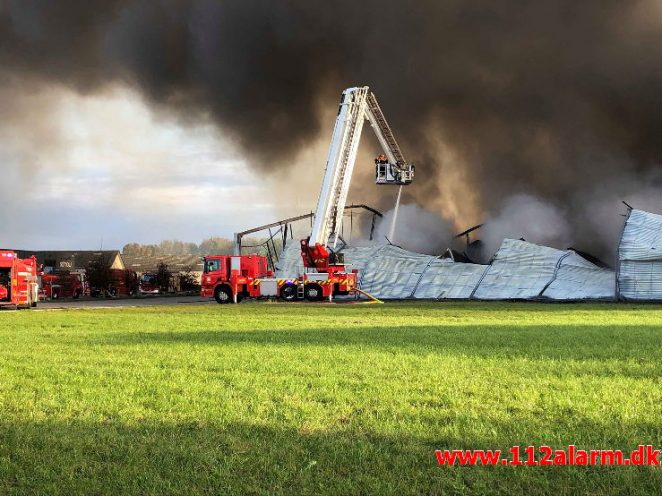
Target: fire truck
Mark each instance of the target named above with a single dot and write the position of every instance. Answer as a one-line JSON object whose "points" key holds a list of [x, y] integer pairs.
{"points": [[63, 284], [18, 281], [120, 283], [125, 282], [229, 278], [149, 283]]}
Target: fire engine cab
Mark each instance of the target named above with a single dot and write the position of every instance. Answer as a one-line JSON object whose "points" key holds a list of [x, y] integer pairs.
{"points": [[18, 281], [229, 278]]}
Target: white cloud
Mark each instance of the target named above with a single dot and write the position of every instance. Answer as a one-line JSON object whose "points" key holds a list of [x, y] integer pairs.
{"points": [[110, 167]]}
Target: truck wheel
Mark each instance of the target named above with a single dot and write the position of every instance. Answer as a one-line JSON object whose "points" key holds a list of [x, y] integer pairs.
{"points": [[313, 292], [33, 304], [55, 295], [288, 292], [222, 295]]}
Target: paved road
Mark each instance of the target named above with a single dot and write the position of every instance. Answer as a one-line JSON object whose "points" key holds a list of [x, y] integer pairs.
{"points": [[150, 301]]}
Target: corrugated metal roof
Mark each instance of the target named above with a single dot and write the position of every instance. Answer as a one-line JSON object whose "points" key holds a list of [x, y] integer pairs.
{"points": [[393, 272], [289, 263], [578, 279], [445, 279], [520, 270], [640, 257], [388, 271]]}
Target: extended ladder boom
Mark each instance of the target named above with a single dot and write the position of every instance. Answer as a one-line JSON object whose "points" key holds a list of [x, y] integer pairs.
{"points": [[339, 166], [383, 132], [356, 105]]}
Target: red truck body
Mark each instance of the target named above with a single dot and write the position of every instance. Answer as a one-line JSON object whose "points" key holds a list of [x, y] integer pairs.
{"points": [[122, 283], [149, 283], [229, 278], [131, 284], [56, 285], [18, 281]]}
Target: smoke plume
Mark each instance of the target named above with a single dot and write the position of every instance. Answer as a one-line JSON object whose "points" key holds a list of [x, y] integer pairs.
{"points": [[558, 100], [417, 230], [525, 217]]}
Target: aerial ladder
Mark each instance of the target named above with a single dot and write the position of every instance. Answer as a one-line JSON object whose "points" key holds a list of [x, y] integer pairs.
{"points": [[325, 269], [229, 278]]}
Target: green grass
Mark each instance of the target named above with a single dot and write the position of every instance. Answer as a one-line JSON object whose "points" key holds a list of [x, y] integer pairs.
{"points": [[324, 399]]}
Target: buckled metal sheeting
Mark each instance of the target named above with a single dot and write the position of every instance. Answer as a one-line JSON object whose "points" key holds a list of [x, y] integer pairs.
{"points": [[522, 270], [640, 257], [445, 279], [519, 270], [394, 273], [578, 279]]}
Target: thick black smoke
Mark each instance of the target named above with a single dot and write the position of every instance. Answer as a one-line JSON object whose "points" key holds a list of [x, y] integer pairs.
{"points": [[558, 100]]}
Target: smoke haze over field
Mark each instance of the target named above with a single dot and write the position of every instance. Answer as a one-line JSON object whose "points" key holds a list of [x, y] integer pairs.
{"points": [[559, 101]]}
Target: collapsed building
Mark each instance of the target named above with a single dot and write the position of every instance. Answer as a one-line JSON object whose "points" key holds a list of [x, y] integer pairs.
{"points": [[518, 271]]}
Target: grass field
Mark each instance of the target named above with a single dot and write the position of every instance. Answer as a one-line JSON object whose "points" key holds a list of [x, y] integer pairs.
{"points": [[329, 399]]}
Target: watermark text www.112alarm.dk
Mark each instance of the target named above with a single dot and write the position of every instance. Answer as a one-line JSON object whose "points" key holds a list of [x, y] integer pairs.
{"points": [[546, 456]]}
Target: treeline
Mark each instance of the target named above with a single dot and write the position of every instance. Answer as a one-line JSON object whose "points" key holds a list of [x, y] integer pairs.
{"points": [[175, 247], [211, 246]]}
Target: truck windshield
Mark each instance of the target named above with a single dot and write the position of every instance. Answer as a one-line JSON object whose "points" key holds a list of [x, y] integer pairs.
{"points": [[212, 266]]}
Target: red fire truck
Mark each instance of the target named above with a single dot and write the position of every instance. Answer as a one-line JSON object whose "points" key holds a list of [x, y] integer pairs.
{"points": [[123, 282], [149, 283], [229, 278], [67, 284], [18, 281]]}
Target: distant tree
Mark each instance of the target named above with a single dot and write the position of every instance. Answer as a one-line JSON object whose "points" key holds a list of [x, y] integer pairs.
{"points": [[191, 249], [98, 274], [163, 277], [216, 246], [188, 281], [168, 247], [149, 251], [164, 248], [131, 282], [131, 249], [210, 246]]}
